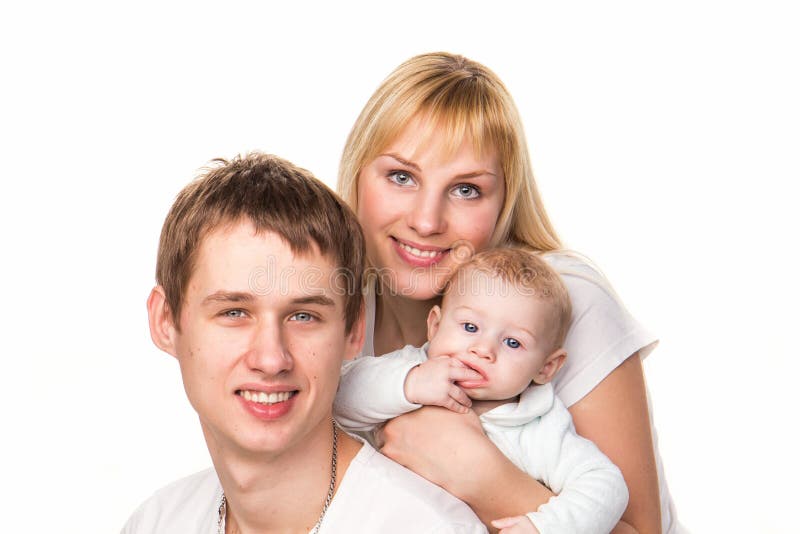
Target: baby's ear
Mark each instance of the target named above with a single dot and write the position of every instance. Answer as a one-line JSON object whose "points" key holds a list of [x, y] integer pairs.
{"points": [[434, 318], [550, 367]]}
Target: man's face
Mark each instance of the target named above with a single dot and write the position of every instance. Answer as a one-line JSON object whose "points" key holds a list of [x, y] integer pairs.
{"points": [[261, 341]]}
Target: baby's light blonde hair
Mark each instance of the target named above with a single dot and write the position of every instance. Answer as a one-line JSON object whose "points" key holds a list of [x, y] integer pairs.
{"points": [[529, 274]]}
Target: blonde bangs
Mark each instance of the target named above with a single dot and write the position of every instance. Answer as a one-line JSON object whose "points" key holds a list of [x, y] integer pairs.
{"points": [[462, 99]]}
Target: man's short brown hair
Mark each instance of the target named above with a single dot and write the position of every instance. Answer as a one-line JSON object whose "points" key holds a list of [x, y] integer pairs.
{"points": [[529, 274], [275, 196]]}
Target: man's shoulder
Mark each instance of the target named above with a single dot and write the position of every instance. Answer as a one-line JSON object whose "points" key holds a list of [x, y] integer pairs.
{"points": [[185, 505], [386, 496]]}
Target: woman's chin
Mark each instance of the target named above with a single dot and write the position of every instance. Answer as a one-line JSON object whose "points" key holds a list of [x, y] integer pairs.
{"points": [[417, 288]]}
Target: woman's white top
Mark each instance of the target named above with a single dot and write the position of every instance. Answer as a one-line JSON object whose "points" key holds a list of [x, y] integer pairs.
{"points": [[603, 334]]}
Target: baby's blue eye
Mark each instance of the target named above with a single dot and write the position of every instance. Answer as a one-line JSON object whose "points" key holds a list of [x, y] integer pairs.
{"points": [[512, 343], [471, 328]]}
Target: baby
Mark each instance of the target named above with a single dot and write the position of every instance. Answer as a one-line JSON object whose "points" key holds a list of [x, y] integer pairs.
{"points": [[494, 346]]}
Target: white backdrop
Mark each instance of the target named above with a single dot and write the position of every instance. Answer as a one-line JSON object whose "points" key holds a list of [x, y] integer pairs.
{"points": [[665, 138]]}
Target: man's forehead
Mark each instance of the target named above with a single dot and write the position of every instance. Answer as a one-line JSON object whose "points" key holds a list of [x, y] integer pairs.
{"points": [[239, 259]]}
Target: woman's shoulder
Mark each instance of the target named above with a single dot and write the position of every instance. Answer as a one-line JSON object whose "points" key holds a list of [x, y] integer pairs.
{"points": [[603, 332], [574, 265]]}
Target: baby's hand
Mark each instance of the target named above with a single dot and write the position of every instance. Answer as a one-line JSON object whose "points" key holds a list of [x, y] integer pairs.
{"points": [[431, 383], [515, 525]]}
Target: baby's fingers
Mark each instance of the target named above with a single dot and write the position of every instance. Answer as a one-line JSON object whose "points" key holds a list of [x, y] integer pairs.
{"points": [[460, 399], [464, 374], [506, 522], [515, 525]]}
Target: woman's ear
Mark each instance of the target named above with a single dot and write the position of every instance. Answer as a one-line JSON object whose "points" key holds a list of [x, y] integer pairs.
{"points": [[550, 367], [434, 318], [162, 325]]}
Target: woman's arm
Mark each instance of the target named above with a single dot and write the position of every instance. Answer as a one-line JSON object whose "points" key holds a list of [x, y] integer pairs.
{"points": [[451, 450], [615, 417]]}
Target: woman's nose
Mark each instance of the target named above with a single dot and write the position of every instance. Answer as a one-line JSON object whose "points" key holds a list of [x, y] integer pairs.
{"points": [[427, 215]]}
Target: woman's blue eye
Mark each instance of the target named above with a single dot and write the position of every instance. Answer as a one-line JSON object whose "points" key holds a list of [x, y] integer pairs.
{"points": [[468, 191], [512, 343], [303, 317], [471, 328], [400, 177]]}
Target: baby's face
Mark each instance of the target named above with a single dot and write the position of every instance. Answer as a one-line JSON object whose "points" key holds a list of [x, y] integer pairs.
{"points": [[496, 329]]}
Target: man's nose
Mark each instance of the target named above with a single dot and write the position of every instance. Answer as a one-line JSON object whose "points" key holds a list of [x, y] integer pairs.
{"points": [[268, 353]]}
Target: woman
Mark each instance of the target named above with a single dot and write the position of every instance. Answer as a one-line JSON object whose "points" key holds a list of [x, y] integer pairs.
{"points": [[437, 164]]}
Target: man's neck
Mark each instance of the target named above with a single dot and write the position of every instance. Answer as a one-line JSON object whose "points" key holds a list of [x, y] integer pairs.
{"points": [[279, 493]]}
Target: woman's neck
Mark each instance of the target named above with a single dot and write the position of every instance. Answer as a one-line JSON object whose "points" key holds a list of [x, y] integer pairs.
{"points": [[400, 321]]}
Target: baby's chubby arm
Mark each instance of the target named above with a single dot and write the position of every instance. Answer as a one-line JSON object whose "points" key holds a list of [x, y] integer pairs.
{"points": [[372, 390], [591, 492], [433, 383]]}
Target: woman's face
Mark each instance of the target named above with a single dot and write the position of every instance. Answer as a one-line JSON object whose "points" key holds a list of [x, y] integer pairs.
{"points": [[423, 208]]}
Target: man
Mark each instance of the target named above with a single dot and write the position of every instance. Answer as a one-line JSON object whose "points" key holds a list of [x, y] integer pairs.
{"points": [[258, 298]]}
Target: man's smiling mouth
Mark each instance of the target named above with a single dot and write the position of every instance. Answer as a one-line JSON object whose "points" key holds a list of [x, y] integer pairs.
{"points": [[262, 397]]}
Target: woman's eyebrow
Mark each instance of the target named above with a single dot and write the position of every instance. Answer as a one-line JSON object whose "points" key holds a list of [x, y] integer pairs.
{"points": [[402, 160], [466, 175]]}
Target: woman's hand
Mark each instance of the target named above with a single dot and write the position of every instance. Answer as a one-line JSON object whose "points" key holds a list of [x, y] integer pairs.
{"points": [[451, 450], [435, 443]]}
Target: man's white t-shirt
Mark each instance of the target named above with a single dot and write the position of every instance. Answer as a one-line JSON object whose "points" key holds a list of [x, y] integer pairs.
{"points": [[375, 495]]}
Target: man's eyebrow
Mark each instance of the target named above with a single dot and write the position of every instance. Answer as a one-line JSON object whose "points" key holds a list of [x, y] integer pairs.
{"points": [[228, 296], [315, 299]]}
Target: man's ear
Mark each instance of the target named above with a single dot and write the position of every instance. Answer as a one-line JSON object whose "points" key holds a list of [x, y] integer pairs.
{"points": [[434, 318], [355, 339], [550, 367], [162, 326]]}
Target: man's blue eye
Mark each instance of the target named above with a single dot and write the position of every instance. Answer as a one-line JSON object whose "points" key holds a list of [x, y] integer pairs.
{"points": [[303, 317], [471, 328], [512, 343], [233, 314]]}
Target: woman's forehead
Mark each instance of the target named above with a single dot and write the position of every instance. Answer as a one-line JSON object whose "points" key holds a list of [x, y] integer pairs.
{"points": [[425, 133]]}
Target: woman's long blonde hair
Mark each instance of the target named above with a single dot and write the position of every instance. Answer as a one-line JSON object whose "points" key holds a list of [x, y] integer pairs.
{"points": [[466, 99]]}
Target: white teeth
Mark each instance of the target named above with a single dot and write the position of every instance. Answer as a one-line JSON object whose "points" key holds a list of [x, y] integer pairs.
{"points": [[419, 253], [263, 397]]}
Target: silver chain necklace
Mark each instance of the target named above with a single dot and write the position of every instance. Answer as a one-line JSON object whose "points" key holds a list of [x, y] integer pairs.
{"points": [[223, 503]]}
